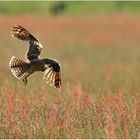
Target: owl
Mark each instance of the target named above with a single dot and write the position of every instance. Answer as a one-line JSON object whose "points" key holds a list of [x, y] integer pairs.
{"points": [[32, 62]]}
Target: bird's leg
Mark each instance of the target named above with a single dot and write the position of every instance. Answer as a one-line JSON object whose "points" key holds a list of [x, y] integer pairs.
{"points": [[25, 78]]}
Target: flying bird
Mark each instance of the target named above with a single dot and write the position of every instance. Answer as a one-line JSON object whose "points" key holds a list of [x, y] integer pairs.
{"points": [[32, 62]]}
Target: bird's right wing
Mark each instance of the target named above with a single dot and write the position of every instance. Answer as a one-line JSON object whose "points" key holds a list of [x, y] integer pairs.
{"points": [[35, 47], [52, 73]]}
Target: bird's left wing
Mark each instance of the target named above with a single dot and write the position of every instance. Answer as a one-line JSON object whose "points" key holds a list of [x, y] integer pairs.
{"points": [[52, 72], [35, 46]]}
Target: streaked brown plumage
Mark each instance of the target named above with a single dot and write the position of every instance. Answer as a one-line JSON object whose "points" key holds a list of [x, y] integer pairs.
{"points": [[32, 63]]}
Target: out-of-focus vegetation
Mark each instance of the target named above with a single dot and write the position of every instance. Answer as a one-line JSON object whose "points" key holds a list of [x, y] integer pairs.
{"points": [[45, 8], [100, 52], [100, 63]]}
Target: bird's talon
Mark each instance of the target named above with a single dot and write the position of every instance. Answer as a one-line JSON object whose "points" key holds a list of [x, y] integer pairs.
{"points": [[24, 81]]}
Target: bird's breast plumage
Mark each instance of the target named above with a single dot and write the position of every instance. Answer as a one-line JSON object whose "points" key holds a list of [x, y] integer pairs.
{"points": [[39, 66]]}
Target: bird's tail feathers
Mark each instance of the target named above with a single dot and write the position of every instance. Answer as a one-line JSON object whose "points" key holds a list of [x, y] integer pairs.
{"points": [[18, 67]]}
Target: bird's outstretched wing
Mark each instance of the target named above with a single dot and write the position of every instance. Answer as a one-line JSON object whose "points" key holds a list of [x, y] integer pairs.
{"points": [[35, 47], [52, 72]]}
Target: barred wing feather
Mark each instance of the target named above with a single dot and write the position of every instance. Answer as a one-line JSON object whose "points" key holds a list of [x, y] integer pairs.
{"points": [[52, 73], [35, 46]]}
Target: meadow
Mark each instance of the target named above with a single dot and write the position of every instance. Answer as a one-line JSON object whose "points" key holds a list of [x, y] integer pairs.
{"points": [[100, 60]]}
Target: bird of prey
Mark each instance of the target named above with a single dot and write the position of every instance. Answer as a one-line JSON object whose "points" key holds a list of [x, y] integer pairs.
{"points": [[32, 63]]}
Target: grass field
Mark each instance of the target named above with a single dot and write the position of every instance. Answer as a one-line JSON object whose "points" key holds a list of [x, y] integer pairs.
{"points": [[100, 59], [70, 7]]}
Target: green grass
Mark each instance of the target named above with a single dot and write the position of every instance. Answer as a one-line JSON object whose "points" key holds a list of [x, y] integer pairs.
{"points": [[43, 8]]}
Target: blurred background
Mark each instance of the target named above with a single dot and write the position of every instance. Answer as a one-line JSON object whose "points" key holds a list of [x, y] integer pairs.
{"points": [[97, 44], [65, 7], [98, 47]]}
